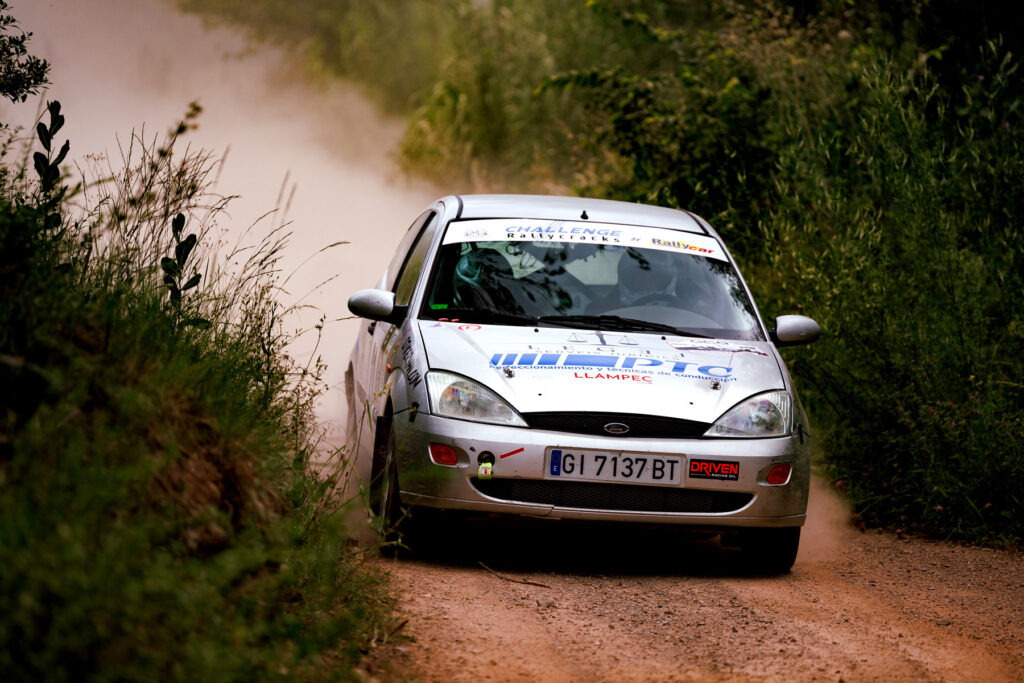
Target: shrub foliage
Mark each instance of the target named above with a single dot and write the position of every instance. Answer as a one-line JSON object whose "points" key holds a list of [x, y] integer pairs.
{"points": [[159, 519], [863, 160]]}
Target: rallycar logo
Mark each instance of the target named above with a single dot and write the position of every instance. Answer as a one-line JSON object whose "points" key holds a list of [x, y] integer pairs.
{"points": [[683, 246], [577, 361], [714, 469]]}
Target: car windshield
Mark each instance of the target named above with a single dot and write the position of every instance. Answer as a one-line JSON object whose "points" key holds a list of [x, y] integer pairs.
{"points": [[579, 274]]}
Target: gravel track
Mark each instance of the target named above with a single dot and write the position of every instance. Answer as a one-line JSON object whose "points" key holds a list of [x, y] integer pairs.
{"points": [[628, 605]]}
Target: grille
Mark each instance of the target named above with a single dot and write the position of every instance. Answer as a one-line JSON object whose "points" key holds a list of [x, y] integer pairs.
{"points": [[597, 496], [640, 426]]}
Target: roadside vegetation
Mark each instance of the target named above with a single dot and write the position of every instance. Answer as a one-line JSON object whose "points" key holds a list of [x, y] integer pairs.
{"points": [[159, 518], [864, 159]]}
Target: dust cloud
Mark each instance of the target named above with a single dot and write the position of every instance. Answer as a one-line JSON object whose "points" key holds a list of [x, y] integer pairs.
{"points": [[826, 531], [124, 65]]}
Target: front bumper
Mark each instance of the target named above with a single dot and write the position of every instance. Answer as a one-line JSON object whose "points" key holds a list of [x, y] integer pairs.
{"points": [[519, 485]]}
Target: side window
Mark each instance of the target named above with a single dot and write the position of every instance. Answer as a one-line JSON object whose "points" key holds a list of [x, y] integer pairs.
{"points": [[410, 271], [402, 252]]}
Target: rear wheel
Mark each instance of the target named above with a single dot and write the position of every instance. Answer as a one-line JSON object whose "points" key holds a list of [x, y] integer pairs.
{"points": [[770, 551]]}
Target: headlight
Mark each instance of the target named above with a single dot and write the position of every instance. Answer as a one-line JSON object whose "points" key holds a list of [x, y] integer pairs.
{"points": [[455, 396], [769, 414]]}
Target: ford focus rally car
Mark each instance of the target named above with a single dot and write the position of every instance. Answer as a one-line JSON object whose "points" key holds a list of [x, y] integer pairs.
{"points": [[578, 359]]}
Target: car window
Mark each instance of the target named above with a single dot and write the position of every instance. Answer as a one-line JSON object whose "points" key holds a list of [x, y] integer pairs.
{"points": [[404, 247], [410, 270], [632, 272]]}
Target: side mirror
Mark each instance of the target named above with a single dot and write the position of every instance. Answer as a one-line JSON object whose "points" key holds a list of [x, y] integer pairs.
{"points": [[376, 304], [793, 330]]}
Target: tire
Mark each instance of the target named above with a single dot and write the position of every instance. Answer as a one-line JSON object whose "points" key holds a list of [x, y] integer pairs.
{"points": [[385, 503], [770, 551]]}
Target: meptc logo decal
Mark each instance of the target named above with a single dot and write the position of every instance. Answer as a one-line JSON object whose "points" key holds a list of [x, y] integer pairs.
{"points": [[575, 361]]}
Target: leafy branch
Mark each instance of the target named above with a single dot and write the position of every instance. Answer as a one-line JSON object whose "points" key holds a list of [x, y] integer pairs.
{"points": [[174, 269]]}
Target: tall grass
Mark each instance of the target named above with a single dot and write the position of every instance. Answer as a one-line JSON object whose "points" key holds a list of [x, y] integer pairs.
{"points": [[159, 517]]}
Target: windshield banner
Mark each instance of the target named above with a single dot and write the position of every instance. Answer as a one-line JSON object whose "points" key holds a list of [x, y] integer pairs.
{"points": [[610, 234]]}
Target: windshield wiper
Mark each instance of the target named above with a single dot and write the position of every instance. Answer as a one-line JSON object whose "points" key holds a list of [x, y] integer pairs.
{"points": [[617, 323]]}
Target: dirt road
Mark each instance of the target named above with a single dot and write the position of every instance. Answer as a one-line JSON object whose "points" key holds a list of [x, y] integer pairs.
{"points": [[550, 603], [611, 605]]}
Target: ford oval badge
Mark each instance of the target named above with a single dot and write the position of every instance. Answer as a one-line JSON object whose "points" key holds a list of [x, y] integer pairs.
{"points": [[616, 428]]}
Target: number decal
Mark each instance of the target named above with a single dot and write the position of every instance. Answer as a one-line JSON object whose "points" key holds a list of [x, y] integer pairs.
{"points": [[628, 464], [620, 466]]}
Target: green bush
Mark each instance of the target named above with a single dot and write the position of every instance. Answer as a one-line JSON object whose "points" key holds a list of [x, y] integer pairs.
{"points": [[904, 243], [159, 520]]}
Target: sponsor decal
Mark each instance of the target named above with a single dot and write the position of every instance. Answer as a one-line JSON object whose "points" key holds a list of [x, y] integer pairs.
{"points": [[682, 246], [622, 377], [610, 234], [711, 345], [469, 327], [412, 374], [583, 362], [562, 232], [714, 469]]}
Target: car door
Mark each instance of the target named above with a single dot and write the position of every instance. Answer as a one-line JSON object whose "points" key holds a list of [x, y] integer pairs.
{"points": [[400, 278]]}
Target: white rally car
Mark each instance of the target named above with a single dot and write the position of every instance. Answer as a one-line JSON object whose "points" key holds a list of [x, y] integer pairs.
{"points": [[578, 359]]}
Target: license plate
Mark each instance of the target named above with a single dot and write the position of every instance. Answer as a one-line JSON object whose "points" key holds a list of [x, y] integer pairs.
{"points": [[615, 466]]}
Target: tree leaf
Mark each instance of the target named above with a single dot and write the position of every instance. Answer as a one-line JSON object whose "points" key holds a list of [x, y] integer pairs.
{"points": [[177, 225], [56, 120], [63, 153], [201, 323], [44, 135], [183, 249], [42, 164], [192, 282], [170, 266]]}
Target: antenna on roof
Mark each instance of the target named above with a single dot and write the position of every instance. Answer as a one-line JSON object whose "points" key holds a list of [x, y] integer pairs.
{"points": [[584, 215]]}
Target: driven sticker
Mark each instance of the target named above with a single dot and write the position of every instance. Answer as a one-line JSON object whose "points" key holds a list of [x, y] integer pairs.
{"points": [[714, 469]]}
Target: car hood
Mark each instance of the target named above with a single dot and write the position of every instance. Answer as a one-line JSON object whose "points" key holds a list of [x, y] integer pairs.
{"points": [[558, 369]]}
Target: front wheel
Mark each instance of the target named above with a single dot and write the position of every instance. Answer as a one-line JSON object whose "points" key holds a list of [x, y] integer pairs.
{"points": [[385, 504], [770, 551]]}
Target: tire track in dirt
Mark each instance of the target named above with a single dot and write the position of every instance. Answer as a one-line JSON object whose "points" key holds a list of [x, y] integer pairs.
{"points": [[631, 605]]}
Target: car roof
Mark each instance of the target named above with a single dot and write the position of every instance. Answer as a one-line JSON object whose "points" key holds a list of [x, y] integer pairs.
{"points": [[479, 206]]}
